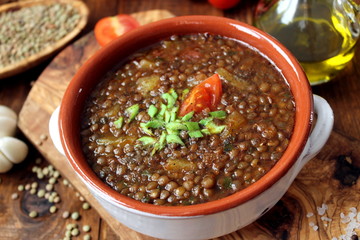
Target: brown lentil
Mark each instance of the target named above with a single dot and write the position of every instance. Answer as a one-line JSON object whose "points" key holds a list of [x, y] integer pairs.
{"points": [[259, 122]]}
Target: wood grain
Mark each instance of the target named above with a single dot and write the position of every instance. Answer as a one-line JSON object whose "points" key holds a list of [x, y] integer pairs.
{"points": [[47, 52], [314, 186]]}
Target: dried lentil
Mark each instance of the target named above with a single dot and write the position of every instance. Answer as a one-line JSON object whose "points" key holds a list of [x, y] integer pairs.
{"points": [[86, 228], [14, 196], [33, 214], [53, 209], [65, 215], [29, 30], [87, 237], [75, 215], [85, 206]]}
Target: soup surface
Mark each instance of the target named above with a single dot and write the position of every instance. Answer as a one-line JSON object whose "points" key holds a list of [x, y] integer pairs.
{"points": [[189, 120]]}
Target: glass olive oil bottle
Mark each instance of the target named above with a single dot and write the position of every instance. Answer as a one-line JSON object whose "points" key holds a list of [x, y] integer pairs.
{"points": [[320, 33]]}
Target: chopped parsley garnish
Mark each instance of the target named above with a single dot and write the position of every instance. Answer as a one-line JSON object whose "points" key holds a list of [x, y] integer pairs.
{"points": [[166, 119]]}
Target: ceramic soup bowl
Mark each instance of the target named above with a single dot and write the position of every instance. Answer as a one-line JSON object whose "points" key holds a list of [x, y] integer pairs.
{"points": [[214, 218]]}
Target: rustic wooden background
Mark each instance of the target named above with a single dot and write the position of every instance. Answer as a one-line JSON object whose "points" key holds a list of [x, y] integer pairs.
{"points": [[326, 179]]}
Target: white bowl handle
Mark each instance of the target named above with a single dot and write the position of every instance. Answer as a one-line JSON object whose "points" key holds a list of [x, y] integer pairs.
{"points": [[54, 130], [321, 131]]}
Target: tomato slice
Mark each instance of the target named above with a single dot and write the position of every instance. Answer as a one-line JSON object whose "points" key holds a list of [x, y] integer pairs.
{"points": [[109, 28], [206, 94]]}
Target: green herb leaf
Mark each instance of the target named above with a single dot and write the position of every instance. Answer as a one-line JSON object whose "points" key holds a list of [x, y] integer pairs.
{"points": [[118, 123], [218, 114], [172, 138], [147, 140], [159, 144], [132, 112], [152, 111], [192, 126], [154, 124], [205, 131], [167, 116], [188, 116], [196, 134], [175, 126], [169, 99], [206, 120], [213, 128], [173, 94], [227, 182], [184, 93], [162, 112], [145, 129]]}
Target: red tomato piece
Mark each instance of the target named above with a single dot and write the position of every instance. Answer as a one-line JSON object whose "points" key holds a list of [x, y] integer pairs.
{"points": [[224, 4], [206, 94], [197, 100], [109, 28]]}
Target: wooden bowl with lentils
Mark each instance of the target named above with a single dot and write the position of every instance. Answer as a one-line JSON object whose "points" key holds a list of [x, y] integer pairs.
{"points": [[189, 118]]}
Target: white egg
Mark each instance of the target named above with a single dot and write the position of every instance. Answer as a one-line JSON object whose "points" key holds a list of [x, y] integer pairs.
{"points": [[7, 112], [13, 149], [7, 126], [5, 164]]}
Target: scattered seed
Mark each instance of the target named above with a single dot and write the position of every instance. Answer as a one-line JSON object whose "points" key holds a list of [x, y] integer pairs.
{"points": [[49, 187], [67, 238], [41, 193], [34, 169], [65, 214], [75, 215], [56, 174], [34, 185], [65, 182], [77, 194], [45, 171], [47, 195], [69, 226], [14, 196], [51, 199], [43, 137], [85, 206], [32, 191], [86, 228], [40, 175], [81, 198], [27, 186], [75, 232], [87, 237], [57, 199], [21, 188], [38, 142], [52, 180], [33, 214], [68, 233], [53, 209]]}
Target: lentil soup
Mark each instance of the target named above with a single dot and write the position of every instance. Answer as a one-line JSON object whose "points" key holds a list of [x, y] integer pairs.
{"points": [[191, 119]]}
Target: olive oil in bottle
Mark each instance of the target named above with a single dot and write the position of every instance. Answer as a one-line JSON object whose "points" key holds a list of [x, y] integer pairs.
{"points": [[320, 33]]}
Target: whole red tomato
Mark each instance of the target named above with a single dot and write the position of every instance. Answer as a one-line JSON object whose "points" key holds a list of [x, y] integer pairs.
{"points": [[224, 4]]}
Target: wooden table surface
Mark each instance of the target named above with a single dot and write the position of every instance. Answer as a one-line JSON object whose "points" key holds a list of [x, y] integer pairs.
{"points": [[342, 94]]}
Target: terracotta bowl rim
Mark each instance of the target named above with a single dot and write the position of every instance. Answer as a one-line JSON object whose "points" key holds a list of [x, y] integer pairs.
{"points": [[302, 127]]}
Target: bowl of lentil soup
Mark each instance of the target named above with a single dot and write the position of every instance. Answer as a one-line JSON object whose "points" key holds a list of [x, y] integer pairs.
{"points": [[191, 122]]}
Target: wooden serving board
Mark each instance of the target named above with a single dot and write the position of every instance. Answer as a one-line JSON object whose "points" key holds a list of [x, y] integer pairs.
{"points": [[322, 181]]}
